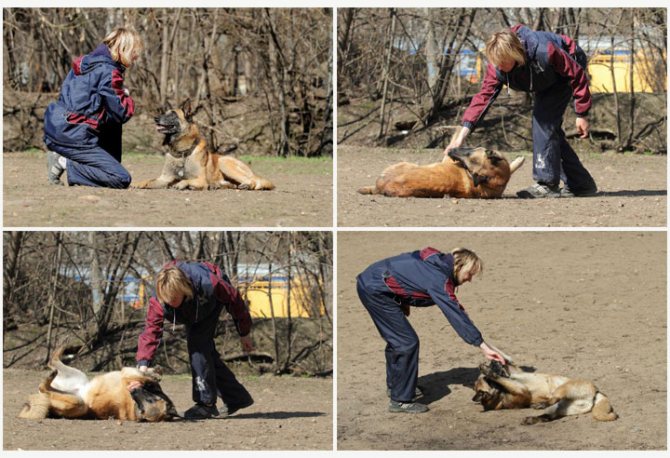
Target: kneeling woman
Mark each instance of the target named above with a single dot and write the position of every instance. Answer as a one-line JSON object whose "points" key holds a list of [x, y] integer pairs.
{"points": [[82, 130], [422, 278]]}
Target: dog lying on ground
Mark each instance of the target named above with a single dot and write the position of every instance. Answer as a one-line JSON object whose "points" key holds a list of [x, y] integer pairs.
{"points": [[465, 173], [508, 387], [68, 393], [190, 165]]}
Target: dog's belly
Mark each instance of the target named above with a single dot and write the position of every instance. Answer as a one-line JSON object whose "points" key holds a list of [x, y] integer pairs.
{"points": [[73, 382], [541, 386]]}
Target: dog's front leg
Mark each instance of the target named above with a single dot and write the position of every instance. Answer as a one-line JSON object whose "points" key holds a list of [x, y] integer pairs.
{"points": [[195, 184], [161, 182]]}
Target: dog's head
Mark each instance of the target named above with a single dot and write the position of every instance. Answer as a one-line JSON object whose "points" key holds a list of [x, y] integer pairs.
{"points": [[152, 404], [173, 122], [487, 392], [486, 168]]}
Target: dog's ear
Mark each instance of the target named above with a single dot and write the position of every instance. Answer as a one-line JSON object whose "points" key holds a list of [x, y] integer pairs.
{"points": [[493, 156], [186, 108]]}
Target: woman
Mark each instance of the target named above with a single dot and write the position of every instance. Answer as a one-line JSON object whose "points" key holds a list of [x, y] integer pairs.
{"points": [[194, 294], [82, 130], [422, 278], [552, 67]]}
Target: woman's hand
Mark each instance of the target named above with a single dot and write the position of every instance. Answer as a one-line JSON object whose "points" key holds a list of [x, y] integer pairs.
{"points": [[247, 344], [582, 127], [492, 354], [457, 140], [135, 384]]}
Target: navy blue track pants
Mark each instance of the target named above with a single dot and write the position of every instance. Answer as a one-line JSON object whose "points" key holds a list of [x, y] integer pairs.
{"points": [[553, 157], [210, 375], [98, 166], [402, 343]]}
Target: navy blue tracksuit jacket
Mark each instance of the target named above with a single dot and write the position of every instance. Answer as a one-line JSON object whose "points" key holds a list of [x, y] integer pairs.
{"points": [[555, 72], [84, 125], [419, 279]]}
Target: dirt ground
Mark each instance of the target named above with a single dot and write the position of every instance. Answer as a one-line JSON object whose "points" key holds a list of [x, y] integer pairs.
{"points": [[289, 414], [29, 201], [580, 304], [633, 193]]}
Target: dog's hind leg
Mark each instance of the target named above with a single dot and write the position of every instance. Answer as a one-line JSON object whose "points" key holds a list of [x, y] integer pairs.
{"points": [[36, 408], [574, 390], [602, 409], [64, 378], [238, 171]]}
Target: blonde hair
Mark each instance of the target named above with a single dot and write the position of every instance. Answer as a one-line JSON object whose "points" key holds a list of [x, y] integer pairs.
{"points": [[171, 280], [124, 44], [468, 260], [504, 46]]}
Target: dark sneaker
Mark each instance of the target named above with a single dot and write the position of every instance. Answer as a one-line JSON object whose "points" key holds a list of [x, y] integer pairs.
{"points": [[418, 392], [232, 408], [201, 412], [587, 192], [407, 407], [538, 191], [54, 169]]}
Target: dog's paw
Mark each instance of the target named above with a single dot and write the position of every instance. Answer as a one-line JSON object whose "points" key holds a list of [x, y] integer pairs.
{"points": [[155, 373], [181, 185], [486, 371], [530, 420]]}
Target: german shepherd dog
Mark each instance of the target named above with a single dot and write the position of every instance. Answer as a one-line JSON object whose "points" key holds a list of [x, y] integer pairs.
{"points": [[68, 393], [509, 387], [190, 165], [465, 173]]}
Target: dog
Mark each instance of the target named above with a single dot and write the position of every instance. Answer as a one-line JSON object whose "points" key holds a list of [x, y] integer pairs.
{"points": [[190, 165], [465, 173], [509, 387], [68, 393]]}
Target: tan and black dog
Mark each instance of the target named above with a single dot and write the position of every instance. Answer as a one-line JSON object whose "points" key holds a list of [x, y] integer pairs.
{"points": [[68, 393], [465, 173], [190, 165], [508, 387]]}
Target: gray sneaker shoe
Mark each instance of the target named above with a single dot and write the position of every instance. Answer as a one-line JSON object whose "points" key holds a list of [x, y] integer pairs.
{"points": [[201, 412], [54, 169], [538, 191], [232, 408], [588, 192], [418, 392], [407, 407]]}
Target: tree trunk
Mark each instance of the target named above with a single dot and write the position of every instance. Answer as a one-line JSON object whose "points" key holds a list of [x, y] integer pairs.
{"points": [[631, 83], [164, 60], [278, 77], [385, 75]]}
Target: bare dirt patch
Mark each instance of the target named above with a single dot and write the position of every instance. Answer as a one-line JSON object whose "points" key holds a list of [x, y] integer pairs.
{"points": [[633, 193], [303, 197], [572, 303], [289, 414]]}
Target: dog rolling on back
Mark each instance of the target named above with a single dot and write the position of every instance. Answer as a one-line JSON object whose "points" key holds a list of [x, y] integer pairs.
{"points": [[465, 173], [68, 393], [190, 165], [508, 387]]}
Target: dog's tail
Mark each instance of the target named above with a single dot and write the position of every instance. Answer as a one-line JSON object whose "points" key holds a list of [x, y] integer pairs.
{"points": [[56, 355], [602, 409], [516, 163], [368, 190], [36, 408], [261, 184]]}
